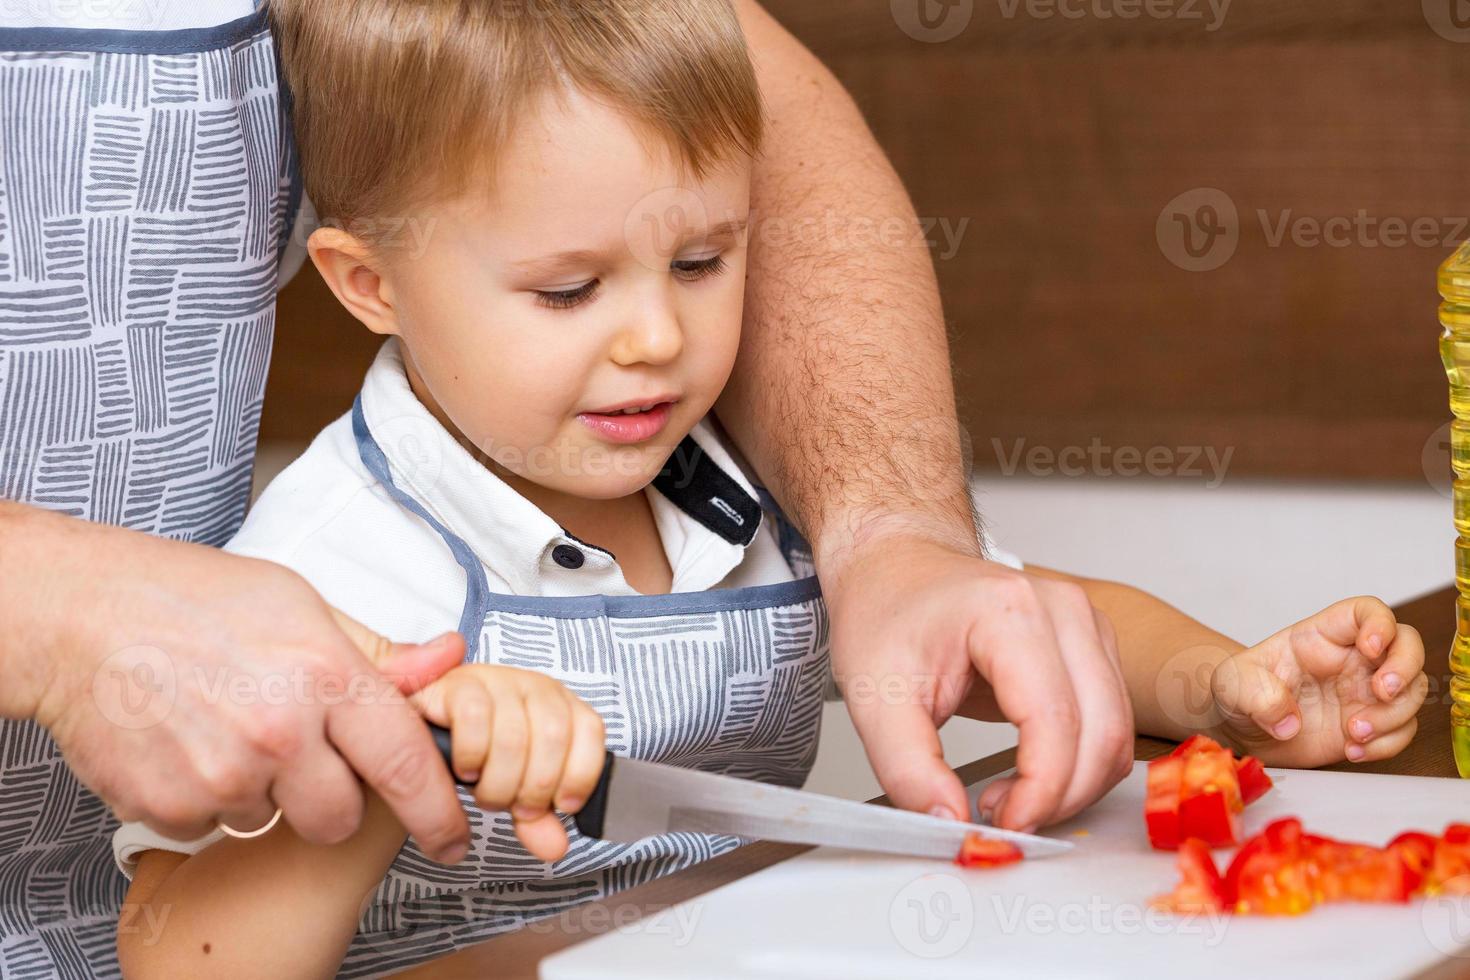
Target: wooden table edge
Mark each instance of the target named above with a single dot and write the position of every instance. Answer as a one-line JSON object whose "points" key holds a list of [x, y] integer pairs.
{"points": [[517, 955]]}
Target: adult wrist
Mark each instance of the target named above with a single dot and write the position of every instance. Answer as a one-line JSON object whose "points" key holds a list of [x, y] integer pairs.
{"points": [[29, 643], [856, 534]]}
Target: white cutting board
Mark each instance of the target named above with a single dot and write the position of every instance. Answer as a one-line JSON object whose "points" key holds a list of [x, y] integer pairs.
{"points": [[837, 914]]}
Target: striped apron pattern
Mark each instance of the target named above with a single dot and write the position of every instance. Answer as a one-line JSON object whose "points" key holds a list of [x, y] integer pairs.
{"points": [[147, 191], [728, 681]]}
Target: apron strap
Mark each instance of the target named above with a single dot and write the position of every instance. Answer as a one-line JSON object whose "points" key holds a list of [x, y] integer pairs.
{"points": [[477, 588]]}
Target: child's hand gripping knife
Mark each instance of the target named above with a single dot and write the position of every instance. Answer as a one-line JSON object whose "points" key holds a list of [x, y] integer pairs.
{"points": [[526, 744], [1345, 683], [279, 907]]}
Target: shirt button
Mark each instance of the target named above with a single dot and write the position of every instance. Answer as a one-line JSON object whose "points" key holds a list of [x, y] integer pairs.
{"points": [[567, 557]]}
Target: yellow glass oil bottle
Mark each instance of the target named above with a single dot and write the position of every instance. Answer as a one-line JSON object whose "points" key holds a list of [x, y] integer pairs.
{"points": [[1454, 348]]}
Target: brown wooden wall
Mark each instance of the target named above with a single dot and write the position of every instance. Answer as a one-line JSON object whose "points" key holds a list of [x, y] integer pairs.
{"points": [[1061, 141]]}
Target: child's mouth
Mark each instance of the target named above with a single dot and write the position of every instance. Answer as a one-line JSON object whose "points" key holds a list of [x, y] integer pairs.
{"points": [[624, 428]]}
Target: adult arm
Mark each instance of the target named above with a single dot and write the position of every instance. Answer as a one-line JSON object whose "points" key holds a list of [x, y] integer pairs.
{"points": [[843, 401], [186, 685]]}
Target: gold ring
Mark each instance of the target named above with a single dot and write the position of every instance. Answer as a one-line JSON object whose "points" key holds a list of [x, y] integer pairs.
{"points": [[248, 834]]}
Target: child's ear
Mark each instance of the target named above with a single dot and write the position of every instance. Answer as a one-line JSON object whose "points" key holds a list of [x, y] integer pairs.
{"points": [[354, 275]]}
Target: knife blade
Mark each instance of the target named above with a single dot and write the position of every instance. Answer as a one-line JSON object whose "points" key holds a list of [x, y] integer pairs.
{"points": [[635, 799]]}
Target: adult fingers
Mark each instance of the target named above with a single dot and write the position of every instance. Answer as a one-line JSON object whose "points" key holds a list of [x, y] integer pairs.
{"points": [[903, 748], [1105, 736], [410, 666], [388, 744], [1017, 652], [320, 797]]}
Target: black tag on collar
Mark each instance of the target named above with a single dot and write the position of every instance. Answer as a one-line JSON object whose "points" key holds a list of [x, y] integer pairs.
{"points": [[696, 485]]}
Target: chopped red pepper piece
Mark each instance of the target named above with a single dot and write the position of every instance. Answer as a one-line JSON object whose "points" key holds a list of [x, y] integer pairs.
{"points": [[1273, 873], [984, 852], [1253, 779], [1196, 791], [1348, 872], [1200, 887], [1416, 850], [1283, 871]]}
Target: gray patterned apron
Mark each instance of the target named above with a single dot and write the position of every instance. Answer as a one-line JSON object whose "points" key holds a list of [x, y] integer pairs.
{"points": [[147, 191], [729, 681]]}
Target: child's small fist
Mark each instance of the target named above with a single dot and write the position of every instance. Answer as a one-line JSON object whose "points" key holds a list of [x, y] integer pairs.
{"points": [[526, 743], [1346, 683]]}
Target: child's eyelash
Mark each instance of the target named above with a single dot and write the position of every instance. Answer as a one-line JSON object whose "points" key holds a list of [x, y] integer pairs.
{"points": [[700, 268], [567, 298], [688, 270]]}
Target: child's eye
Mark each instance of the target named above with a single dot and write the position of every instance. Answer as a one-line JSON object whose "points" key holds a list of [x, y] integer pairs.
{"points": [[694, 269], [566, 298]]}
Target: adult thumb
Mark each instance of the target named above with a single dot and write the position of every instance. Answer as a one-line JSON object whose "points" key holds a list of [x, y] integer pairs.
{"points": [[410, 666], [903, 748]]}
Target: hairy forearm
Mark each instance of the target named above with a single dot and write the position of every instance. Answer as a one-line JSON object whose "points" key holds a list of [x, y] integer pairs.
{"points": [[1168, 657], [842, 398]]}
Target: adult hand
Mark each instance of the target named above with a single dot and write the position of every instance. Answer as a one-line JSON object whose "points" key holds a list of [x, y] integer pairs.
{"points": [[920, 628], [187, 686]]}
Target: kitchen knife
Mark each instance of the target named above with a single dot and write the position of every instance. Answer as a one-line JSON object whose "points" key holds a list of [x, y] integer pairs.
{"points": [[635, 799]]}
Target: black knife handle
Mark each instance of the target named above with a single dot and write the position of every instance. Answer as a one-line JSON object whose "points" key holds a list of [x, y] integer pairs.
{"points": [[588, 819]]}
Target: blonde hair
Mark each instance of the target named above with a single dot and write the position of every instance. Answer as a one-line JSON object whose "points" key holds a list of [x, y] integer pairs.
{"points": [[397, 103]]}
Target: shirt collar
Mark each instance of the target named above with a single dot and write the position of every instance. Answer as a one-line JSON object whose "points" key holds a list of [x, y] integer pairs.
{"points": [[705, 507]]}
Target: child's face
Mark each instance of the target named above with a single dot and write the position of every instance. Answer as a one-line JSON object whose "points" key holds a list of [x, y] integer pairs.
{"points": [[596, 278]]}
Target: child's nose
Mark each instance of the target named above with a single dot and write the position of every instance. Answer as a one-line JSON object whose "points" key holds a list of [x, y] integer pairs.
{"points": [[654, 338]]}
